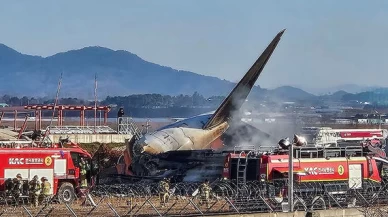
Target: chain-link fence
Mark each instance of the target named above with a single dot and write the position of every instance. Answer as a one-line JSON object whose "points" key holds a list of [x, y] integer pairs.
{"points": [[184, 199]]}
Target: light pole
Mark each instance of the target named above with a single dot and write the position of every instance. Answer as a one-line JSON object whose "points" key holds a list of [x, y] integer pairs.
{"points": [[379, 119], [291, 178], [380, 122]]}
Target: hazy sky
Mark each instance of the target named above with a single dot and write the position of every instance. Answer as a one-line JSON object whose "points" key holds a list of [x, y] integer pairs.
{"points": [[327, 42]]}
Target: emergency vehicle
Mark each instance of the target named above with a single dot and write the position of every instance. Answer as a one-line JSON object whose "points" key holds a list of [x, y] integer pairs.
{"points": [[58, 163], [322, 170], [326, 136]]}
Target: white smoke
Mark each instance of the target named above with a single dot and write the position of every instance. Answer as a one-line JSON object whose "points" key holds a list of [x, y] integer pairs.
{"points": [[242, 133]]}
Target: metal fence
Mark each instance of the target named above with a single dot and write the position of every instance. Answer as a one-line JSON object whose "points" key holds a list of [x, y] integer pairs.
{"points": [[143, 199], [81, 130]]}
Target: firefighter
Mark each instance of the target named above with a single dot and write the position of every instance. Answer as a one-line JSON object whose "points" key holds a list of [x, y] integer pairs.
{"points": [[204, 191], [17, 187], [120, 115], [84, 167], [34, 190], [164, 188], [45, 190], [9, 186]]}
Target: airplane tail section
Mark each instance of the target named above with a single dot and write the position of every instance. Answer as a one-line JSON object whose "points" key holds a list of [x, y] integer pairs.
{"points": [[240, 92]]}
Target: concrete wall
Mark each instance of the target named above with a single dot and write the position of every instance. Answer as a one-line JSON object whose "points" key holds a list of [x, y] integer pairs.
{"points": [[318, 213], [92, 138]]}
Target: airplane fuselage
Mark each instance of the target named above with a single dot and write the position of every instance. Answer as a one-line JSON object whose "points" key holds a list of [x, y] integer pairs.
{"points": [[182, 135]]}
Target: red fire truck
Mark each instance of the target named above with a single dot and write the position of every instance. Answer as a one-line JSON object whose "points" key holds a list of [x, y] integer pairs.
{"points": [[332, 170], [59, 164]]}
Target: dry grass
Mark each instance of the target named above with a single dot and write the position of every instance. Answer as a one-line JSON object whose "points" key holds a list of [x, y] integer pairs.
{"points": [[121, 205]]}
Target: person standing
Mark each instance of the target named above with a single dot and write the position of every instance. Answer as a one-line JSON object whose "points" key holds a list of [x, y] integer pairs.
{"points": [[164, 188], [45, 190], [34, 190], [204, 190], [84, 167], [120, 115], [17, 188]]}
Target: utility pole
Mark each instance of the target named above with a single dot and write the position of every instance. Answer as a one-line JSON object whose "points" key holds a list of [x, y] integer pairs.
{"points": [[291, 177], [380, 122], [379, 119]]}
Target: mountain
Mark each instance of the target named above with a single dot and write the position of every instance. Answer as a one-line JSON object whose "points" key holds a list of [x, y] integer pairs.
{"points": [[336, 96], [119, 73], [292, 93], [378, 96], [350, 88]]}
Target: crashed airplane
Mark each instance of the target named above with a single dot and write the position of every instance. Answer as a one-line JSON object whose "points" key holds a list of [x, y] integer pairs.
{"points": [[178, 147]]}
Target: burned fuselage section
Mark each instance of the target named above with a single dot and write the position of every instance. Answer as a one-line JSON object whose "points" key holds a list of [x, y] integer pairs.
{"points": [[195, 165]]}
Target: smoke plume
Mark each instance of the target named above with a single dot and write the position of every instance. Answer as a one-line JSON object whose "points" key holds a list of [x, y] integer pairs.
{"points": [[254, 131]]}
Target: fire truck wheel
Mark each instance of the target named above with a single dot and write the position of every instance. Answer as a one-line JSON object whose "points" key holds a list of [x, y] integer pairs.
{"points": [[66, 193]]}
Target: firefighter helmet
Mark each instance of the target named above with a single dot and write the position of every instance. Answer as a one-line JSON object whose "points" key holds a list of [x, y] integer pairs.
{"points": [[36, 177], [19, 176]]}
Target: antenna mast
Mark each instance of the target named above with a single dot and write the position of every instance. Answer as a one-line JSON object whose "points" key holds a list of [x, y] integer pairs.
{"points": [[56, 99], [95, 102], [55, 105]]}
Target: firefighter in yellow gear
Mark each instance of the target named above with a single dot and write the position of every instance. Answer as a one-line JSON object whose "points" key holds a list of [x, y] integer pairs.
{"points": [[45, 190], [84, 167], [204, 192], [164, 189], [34, 190]]}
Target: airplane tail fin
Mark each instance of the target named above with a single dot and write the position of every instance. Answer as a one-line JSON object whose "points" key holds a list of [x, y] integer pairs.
{"points": [[240, 92]]}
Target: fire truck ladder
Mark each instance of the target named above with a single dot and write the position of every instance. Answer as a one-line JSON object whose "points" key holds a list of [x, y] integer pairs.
{"points": [[242, 164]]}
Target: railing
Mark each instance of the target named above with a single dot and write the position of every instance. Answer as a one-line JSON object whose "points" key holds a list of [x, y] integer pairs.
{"points": [[322, 152], [126, 125], [242, 148], [254, 149], [17, 144], [81, 130]]}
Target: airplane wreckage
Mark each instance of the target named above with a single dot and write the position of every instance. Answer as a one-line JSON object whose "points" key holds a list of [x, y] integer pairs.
{"points": [[191, 149]]}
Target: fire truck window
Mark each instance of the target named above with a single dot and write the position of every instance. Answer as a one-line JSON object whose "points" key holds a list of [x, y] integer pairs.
{"points": [[76, 158], [278, 175]]}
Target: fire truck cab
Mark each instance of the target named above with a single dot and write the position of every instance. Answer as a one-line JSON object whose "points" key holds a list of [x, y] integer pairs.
{"points": [[58, 164]]}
